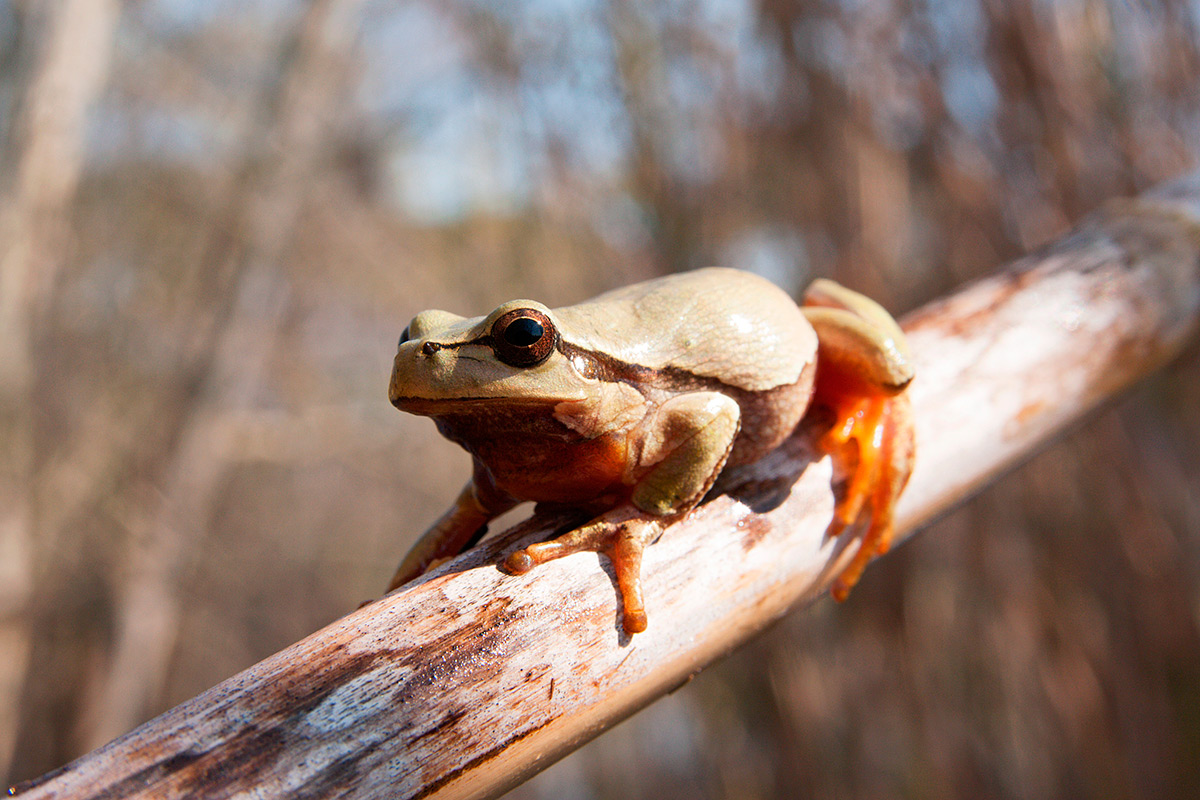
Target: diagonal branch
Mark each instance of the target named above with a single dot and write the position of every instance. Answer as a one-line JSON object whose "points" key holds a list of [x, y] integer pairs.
{"points": [[469, 680]]}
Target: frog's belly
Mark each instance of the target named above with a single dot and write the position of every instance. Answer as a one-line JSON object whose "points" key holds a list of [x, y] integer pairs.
{"points": [[544, 461]]}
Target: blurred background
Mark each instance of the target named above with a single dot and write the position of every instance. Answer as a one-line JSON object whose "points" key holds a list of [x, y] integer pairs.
{"points": [[217, 217]]}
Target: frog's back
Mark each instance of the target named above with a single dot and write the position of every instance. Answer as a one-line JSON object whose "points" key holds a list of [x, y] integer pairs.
{"points": [[720, 324]]}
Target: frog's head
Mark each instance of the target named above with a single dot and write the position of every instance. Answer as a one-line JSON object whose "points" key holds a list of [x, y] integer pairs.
{"points": [[445, 361]]}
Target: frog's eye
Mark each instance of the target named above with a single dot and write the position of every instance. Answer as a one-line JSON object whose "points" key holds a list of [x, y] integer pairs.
{"points": [[524, 337], [404, 335]]}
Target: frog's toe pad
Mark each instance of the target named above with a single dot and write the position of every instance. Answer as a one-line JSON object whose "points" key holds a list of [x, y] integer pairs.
{"points": [[635, 621], [519, 563]]}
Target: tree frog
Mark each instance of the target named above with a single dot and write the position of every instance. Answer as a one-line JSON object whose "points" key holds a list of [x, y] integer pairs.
{"points": [[628, 406]]}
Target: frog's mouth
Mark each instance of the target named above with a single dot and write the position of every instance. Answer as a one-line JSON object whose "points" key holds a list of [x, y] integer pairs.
{"points": [[448, 406]]}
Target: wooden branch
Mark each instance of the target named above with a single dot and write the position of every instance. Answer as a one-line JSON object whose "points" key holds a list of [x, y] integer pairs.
{"points": [[469, 680]]}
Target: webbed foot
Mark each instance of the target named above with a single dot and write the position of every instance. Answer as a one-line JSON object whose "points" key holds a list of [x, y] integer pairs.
{"points": [[879, 429], [621, 534]]}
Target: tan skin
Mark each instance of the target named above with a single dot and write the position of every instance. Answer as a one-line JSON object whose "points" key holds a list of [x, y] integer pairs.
{"points": [[630, 405]]}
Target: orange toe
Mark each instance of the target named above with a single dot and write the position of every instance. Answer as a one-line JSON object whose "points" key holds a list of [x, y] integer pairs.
{"points": [[877, 432]]}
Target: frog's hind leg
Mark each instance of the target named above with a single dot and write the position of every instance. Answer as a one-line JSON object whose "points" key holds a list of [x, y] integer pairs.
{"points": [[863, 368], [859, 337]]}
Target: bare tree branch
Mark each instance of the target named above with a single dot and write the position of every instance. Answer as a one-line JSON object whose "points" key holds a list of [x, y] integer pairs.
{"points": [[469, 680]]}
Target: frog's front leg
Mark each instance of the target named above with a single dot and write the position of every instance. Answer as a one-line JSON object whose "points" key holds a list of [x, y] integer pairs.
{"points": [[680, 452], [463, 525], [863, 368]]}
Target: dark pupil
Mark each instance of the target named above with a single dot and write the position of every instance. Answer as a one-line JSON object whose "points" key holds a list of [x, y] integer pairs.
{"points": [[523, 332]]}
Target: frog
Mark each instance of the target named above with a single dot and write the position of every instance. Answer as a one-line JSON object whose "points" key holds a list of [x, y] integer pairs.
{"points": [[627, 407]]}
